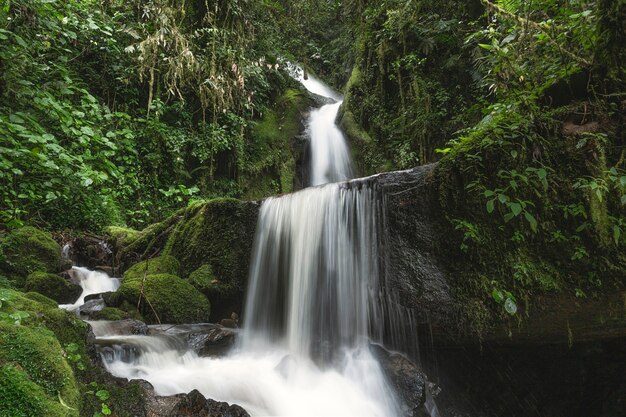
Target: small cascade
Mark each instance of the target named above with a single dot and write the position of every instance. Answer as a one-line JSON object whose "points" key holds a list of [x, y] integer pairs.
{"points": [[92, 282], [330, 156]]}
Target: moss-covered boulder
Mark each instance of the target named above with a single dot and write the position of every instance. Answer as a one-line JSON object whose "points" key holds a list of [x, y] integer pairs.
{"points": [[203, 278], [160, 265], [164, 298], [27, 250], [111, 313], [53, 286], [36, 379]]}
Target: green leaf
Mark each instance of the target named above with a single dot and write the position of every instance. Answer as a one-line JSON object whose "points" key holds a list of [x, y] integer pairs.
{"points": [[87, 131], [622, 181], [516, 209], [617, 232], [490, 206], [102, 395], [531, 220], [497, 295], [489, 193]]}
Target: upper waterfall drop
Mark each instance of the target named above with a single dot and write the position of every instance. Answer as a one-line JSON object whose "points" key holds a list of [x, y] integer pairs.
{"points": [[330, 155]]}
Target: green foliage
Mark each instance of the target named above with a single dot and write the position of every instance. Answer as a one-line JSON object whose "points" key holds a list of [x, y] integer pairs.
{"points": [[118, 112]]}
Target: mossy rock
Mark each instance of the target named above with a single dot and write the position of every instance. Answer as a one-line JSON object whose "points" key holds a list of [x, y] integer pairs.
{"points": [[53, 286], [202, 278], [29, 249], [44, 312], [34, 354], [122, 234], [110, 313], [167, 296], [21, 397], [160, 265]]}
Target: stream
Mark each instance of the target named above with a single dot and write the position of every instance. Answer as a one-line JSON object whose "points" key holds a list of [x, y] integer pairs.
{"points": [[313, 304]]}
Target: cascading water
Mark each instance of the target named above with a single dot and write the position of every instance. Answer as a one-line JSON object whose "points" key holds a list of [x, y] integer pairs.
{"points": [[313, 303], [330, 156], [92, 282]]}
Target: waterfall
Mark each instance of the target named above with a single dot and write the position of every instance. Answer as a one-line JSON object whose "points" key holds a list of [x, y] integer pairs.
{"points": [[330, 156], [314, 270], [313, 302]]}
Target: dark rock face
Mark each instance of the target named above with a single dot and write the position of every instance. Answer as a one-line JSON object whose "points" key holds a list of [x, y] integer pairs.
{"points": [[91, 307], [214, 342], [413, 242], [406, 378], [128, 327], [187, 405], [195, 405], [205, 339], [91, 252]]}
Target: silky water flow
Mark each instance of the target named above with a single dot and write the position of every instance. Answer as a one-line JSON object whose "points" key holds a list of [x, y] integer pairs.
{"points": [[313, 303]]}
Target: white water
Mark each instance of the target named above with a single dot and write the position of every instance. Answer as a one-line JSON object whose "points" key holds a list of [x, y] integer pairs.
{"points": [[92, 282], [330, 156], [311, 304]]}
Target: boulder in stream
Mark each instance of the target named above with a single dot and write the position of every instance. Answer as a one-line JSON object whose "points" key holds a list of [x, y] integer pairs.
{"points": [[188, 405]]}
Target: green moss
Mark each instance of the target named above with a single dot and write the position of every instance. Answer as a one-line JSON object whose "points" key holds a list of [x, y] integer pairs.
{"points": [[273, 152], [159, 265], [28, 250], [202, 278], [122, 234], [219, 233], [21, 397], [53, 286], [165, 296], [39, 354], [110, 313], [43, 312], [40, 298]]}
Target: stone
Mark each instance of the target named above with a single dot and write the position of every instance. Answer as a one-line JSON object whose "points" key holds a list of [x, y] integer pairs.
{"points": [[216, 341], [53, 286], [195, 405], [408, 381]]}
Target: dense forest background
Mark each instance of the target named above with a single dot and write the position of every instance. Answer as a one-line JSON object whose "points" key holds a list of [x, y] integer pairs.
{"points": [[120, 112]]}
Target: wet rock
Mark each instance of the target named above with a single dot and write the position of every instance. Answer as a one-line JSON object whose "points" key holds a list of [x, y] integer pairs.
{"points": [[122, 327], [215, 341], [406, 378], [91, 252], [195, 405], [109, 270], [229, 323], [92, 297], [91, 307]]}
